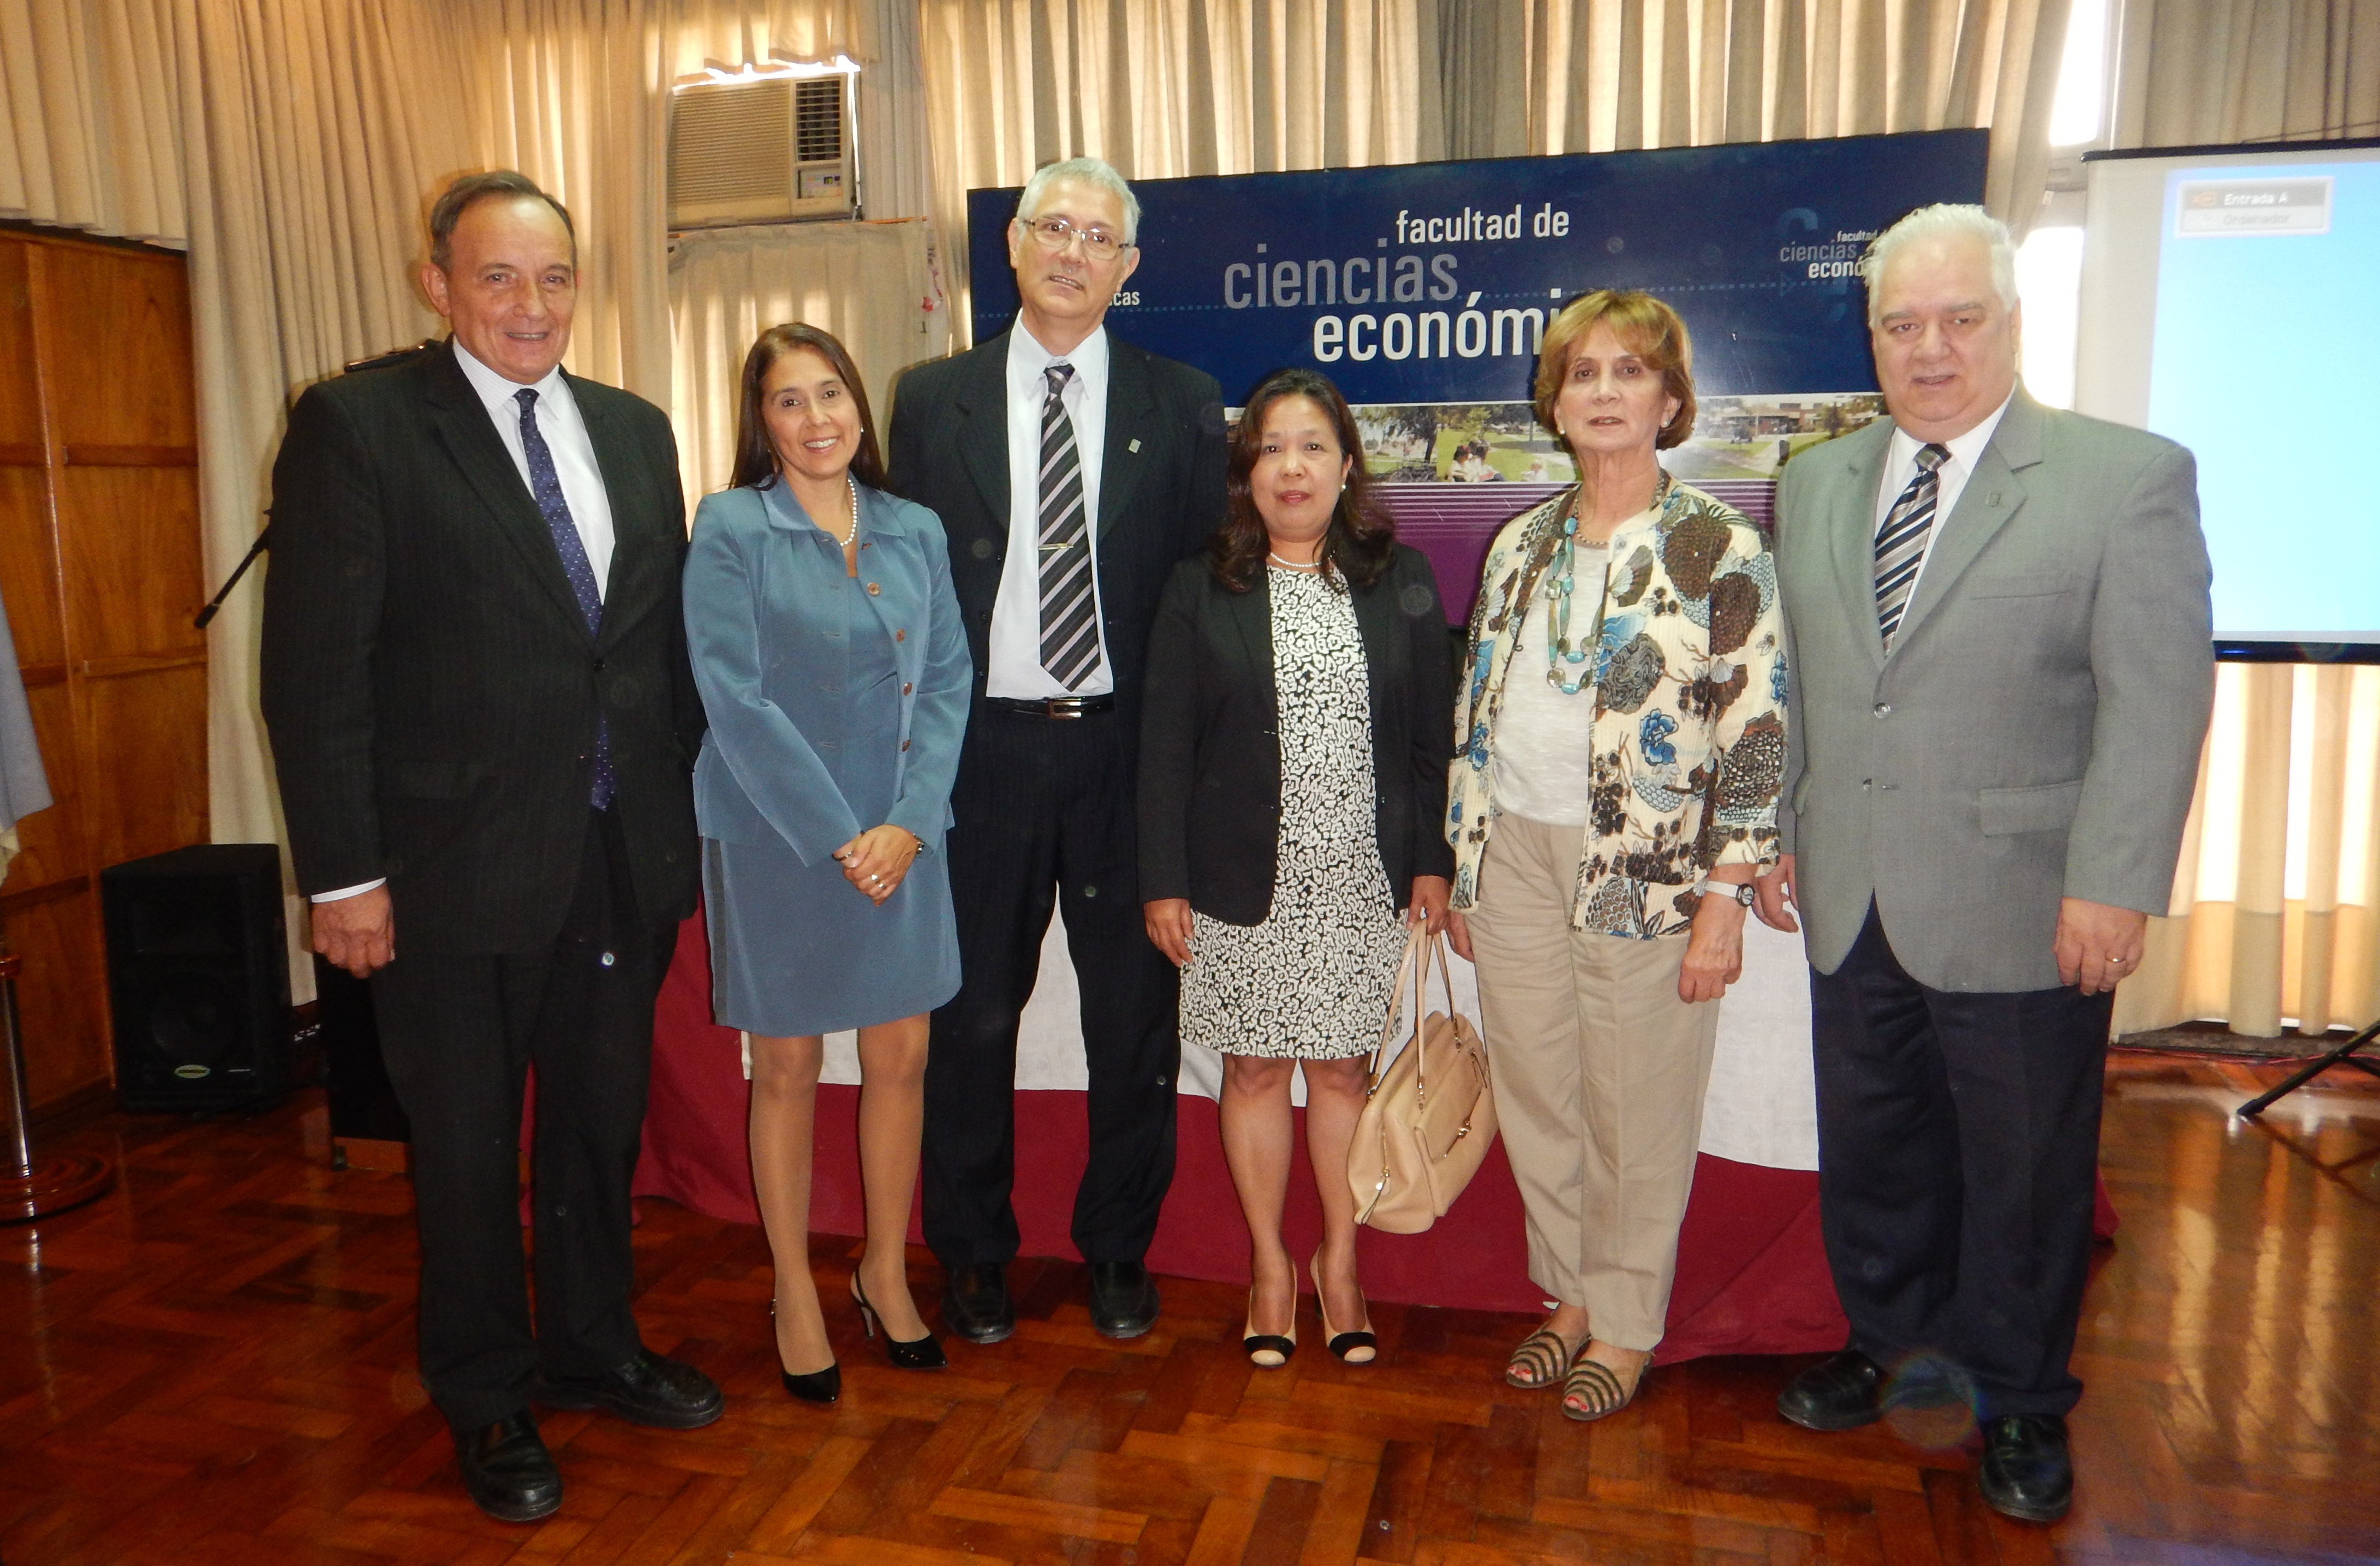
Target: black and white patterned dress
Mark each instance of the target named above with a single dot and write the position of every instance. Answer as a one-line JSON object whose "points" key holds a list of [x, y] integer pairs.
{"points": [[1312, 981]]}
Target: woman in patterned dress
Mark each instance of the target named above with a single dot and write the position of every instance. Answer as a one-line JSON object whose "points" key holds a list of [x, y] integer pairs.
{"points": [[1292, 781], [1621, 738]]}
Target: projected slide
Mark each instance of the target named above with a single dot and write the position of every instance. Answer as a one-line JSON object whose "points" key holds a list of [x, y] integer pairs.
{"points": [[2268, 365]]}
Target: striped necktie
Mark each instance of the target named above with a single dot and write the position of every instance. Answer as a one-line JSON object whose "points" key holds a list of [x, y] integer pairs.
{"points": [[1901, 542], [545, 486], [1069, 633]]}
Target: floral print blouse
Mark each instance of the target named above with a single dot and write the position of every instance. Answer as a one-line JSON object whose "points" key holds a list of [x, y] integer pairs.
{"points": [[1689, 725]]}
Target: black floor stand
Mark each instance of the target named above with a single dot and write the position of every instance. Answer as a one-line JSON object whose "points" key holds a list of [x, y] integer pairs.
{"points": [[2344, 1055]]}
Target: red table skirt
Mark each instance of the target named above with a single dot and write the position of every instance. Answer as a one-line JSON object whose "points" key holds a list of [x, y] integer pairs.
{"points": [[1752, 1270]]}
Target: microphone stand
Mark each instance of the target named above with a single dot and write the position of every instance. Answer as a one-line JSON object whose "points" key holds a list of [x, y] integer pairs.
{"points": [[263, 542]]}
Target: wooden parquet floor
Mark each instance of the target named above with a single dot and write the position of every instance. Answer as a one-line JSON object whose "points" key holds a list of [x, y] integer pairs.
{"points": [[215, 1365]]}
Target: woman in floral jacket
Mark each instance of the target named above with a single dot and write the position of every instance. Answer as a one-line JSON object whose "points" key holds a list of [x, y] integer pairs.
{"points": [[1620, 738]]}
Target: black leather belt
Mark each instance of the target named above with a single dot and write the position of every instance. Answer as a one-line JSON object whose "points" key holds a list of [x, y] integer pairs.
{"points": [[1055, 706]]}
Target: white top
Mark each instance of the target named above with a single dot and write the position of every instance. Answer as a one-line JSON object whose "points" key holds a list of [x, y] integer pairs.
{"points": [[1950, 480], [1016, 651], [1543, 762], [565, 431]]}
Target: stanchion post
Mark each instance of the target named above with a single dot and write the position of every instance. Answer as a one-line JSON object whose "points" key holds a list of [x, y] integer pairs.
{"points": [[31, 1188]]}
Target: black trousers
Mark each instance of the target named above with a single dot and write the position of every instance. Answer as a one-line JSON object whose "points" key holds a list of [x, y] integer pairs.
{"points": [[1044, 812], [1958, 1147], [459, 1032]]}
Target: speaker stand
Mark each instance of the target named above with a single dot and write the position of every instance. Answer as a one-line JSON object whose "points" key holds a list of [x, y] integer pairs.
{"points": [[31, 1188]]}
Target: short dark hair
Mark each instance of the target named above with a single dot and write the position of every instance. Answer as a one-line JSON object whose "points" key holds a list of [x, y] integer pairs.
{"points": [[755, 459], [1360, 542], [470, 189]]}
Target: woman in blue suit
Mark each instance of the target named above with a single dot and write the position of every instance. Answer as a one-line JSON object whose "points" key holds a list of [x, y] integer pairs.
{"points": [[828, 647]]}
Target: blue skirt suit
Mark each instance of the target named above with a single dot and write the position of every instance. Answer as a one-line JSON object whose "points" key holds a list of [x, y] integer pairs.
{"points": [[836, 704]]}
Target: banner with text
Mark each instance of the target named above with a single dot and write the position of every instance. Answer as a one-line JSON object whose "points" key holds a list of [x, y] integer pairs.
{"points": [[1424, 290]]}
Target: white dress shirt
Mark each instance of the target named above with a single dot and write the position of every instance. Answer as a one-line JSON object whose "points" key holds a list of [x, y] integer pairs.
{"points": [[565, 437], [573, 464], [1950, 479], [1016, 613]]}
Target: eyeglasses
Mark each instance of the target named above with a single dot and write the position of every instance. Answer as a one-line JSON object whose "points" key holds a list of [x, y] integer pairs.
{"points": [[1056, 234]]}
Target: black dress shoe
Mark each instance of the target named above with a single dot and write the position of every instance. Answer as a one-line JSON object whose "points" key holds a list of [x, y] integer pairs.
{"points": [[2027, 1472], [648, 1390], [976, 1304], [1124, 1299], [1852, 1390], [508, 1471]]}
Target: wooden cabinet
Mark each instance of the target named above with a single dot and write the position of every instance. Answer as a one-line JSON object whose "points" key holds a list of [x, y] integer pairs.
{"points": [[100, 569]]}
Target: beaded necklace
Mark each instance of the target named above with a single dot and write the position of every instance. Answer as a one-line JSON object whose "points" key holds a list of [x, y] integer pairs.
{"points": [[1560, 584]]}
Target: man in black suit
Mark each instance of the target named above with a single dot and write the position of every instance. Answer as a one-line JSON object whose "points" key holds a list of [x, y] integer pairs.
{"points": [[1071, 472], [476, 680]]}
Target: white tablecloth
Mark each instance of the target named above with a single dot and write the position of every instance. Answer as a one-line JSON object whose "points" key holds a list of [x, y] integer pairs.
{"points": [[1761, 1109]]}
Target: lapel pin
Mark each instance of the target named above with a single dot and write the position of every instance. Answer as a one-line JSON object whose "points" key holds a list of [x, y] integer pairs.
{"points": [[1133, 447]]}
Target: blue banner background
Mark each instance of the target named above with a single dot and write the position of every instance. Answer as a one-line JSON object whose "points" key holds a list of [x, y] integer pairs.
{"points": [[1751, 244]]}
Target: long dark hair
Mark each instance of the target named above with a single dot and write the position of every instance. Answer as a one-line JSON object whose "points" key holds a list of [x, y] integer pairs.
{"points": [[1360, 542], [755, 459]]}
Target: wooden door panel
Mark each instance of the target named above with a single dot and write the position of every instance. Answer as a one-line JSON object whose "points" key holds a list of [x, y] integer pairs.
{"points": [[55, 848], [146, 790], [29, 579], [128, 541], [20, 393], [61, 994], [116, 348]]}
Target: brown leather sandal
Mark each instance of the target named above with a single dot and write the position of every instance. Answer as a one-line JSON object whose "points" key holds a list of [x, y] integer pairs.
{"points": [[1538, 1362], [1597, 1389]]}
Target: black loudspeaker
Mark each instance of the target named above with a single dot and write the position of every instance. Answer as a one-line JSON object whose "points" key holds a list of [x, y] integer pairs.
{"points": [[198, 971]]}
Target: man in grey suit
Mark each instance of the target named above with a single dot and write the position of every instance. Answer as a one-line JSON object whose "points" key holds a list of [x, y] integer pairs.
{"points": [[2003, 662]]}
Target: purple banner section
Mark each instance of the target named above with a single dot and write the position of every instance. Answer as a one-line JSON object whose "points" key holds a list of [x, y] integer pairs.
{"points": [[1454, 524]]}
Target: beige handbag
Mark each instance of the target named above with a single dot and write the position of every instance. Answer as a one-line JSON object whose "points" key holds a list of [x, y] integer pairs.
{"points": [[1429, 1115]]}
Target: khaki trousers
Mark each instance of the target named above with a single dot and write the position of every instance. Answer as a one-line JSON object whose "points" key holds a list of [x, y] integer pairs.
{"points": [[1599, 1073]]}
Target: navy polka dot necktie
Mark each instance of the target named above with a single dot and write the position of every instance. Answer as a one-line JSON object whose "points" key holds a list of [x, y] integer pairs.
{"points": [[545, 484]]}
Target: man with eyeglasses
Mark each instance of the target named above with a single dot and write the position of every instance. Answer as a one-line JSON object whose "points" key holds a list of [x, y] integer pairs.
{"points": [[1071, 472]]}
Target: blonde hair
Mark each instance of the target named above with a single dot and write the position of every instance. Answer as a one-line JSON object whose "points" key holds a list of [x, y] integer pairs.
{"points": [[1646, 327]]}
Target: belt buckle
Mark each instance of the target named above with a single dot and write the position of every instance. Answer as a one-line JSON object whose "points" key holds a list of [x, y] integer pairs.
{"points": [[1064, 707]]}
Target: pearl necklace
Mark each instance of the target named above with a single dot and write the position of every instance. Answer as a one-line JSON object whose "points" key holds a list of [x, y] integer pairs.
{"points": [[845, 540], [1293, 565]]}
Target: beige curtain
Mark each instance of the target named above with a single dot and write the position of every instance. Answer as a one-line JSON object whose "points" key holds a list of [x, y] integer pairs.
{"points": [[1593, 76], [2200, 72], [74, 152], [576, 94], [2276, 912], [1166, 88], [873, 284], [310, 130]]}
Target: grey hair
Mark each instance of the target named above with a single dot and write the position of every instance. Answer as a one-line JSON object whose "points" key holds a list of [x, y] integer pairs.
{"points": [[467, 192], [1944, 220], [1090, 171]]}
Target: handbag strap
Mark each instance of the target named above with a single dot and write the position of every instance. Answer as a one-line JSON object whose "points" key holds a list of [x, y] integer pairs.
{"points": [[1415, 957], [1421, 950]]}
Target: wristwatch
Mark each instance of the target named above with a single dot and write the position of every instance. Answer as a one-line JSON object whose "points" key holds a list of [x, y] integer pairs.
{"points": [[1744, 894]]}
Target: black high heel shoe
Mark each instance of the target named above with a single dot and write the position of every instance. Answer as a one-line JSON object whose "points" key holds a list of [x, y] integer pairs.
{"points": [[917, 1353], [818, 1386]]}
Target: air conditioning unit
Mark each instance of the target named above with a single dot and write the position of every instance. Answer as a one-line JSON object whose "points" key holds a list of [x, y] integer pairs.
{"points": [[769, 149]]}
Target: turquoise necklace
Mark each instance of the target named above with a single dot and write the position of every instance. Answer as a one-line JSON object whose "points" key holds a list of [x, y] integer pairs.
{"points": [[1562, 586]]}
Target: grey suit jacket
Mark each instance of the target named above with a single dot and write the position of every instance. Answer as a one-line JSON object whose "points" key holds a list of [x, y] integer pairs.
{"points": [[2035, 733]]}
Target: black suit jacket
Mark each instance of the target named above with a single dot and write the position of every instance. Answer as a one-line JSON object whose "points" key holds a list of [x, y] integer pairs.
{"points": [[430, 685], [1210, 760], [1161, 484]]}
